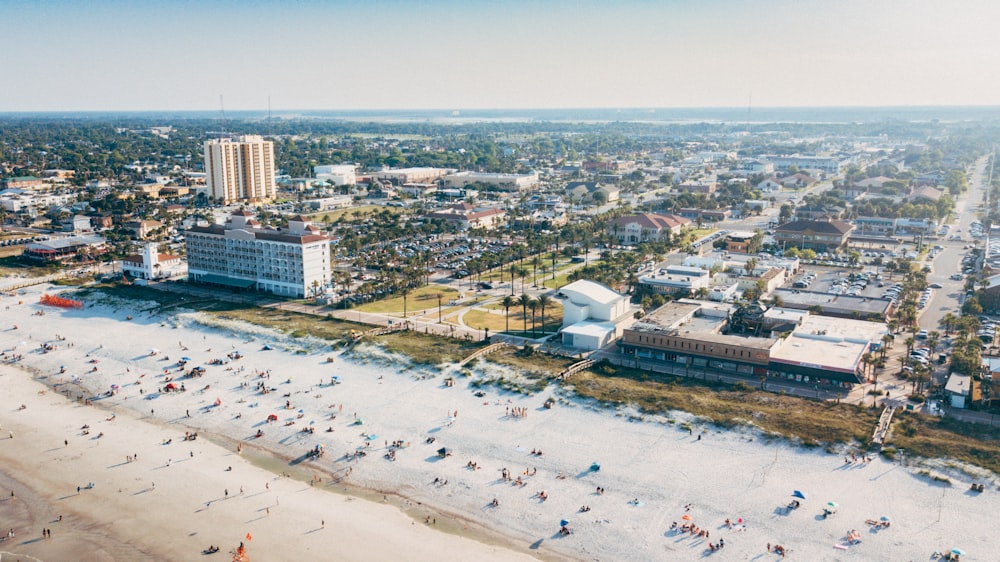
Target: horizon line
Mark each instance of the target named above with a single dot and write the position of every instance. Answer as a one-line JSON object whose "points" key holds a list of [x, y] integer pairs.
{"points": [[524, 108]]}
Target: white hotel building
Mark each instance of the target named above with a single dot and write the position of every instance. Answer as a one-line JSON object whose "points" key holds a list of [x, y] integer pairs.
{"points": [[240, 170], [294, 262]]}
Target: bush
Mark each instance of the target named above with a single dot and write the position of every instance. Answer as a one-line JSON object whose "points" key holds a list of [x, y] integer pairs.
{"points": [[918, 398]]}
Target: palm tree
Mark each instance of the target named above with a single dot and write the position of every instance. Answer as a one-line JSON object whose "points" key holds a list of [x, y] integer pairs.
{"points": [[508, 302], [948, 322], [543, 301], [533, 305], [909, 344], [525, 301]]}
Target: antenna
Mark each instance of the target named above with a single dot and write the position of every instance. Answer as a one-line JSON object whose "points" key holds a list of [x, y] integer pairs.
{"points": [[222, 118]]}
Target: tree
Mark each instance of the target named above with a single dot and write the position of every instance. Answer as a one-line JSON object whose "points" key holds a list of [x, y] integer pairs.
{"points": [[525, 301], [508, 302], [750, 265], [533, 305], [544, 301]]}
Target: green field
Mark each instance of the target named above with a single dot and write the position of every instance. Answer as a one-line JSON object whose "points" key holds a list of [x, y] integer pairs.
{"points": [[419, 299]]}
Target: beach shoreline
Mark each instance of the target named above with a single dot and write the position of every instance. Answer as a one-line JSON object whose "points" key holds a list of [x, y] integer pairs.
{"points": [[516, 472]]}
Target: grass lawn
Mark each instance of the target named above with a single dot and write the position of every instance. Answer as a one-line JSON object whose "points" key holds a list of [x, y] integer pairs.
{"points": [[481, 319], [559, 281], [418, 299]]}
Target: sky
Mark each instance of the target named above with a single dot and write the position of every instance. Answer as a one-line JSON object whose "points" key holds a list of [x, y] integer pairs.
{"points": [[117, 55]]}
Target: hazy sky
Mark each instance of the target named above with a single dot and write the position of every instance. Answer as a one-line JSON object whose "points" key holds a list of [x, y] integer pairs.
{"points": [[384, 54]]}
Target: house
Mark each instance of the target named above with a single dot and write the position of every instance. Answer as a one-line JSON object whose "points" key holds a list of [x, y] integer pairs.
{"points": [[591, 314], [143, 229], [959, 390], [823, 236], [925, 192], [77, 223], [797, 181], [738, 241], [633, 229], [151, 265], [770, 185]]}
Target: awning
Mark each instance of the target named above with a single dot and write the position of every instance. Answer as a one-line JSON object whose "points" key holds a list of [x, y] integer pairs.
{"points": [[216, 279]]}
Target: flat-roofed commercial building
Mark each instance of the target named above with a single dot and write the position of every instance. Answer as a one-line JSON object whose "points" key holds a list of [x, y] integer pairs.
{"points": [[500, 182], [240, 169], [818, 349], [400, 176], [294, 262]]}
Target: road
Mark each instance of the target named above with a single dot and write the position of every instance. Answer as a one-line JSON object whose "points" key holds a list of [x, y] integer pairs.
{"points": [[948, 261]]}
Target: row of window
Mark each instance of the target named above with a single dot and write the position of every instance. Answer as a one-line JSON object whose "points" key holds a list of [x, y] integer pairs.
{"points": [[675, 343]]}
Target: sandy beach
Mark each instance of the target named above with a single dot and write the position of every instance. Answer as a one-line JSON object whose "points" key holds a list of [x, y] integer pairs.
{"points": [[379, 423]]}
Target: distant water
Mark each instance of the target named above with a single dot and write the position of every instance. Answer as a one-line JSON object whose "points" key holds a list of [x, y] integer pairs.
{"points": [[915, 114]]}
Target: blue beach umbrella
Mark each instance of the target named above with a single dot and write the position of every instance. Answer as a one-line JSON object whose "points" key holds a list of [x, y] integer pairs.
{"points": [[799, 494], [563, 522]]}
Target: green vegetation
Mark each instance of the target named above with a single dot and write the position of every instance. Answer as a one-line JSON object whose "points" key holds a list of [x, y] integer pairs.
{"points": [[932, 437], [425, 297], [809, 421], [541, 364], [427, 349], [293, 323]]}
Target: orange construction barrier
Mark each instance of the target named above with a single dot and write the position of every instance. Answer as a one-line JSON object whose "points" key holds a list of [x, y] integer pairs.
{"points": [[53, 300]]}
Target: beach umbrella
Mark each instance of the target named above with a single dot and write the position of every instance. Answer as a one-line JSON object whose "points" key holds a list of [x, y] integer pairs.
{"points": [[185, 358], [832, 504], [958, 552], [798, 494], [883, 518], [686, 517], [563, 522]]}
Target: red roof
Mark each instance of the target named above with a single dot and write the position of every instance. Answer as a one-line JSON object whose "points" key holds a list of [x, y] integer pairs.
{"points": [[652, 220]]}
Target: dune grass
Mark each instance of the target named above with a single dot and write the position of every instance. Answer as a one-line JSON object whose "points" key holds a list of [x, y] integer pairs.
{"points": [[427, 349], [933, 437], [809, 421]]}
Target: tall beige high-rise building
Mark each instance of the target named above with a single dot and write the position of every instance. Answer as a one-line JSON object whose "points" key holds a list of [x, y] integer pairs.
{"points": [[240, 169]]}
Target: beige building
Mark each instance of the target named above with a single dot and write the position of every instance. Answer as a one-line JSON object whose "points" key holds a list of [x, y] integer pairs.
{"points": [[241, 169]]}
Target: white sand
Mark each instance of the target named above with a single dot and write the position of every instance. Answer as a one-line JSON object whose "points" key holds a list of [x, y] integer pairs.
{"points": [[724, 475]]}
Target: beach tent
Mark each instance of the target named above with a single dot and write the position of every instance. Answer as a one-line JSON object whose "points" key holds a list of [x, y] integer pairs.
{"points": [[595, 467], [272, 417], [444, 452], [170, 386], [798, 494]]}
